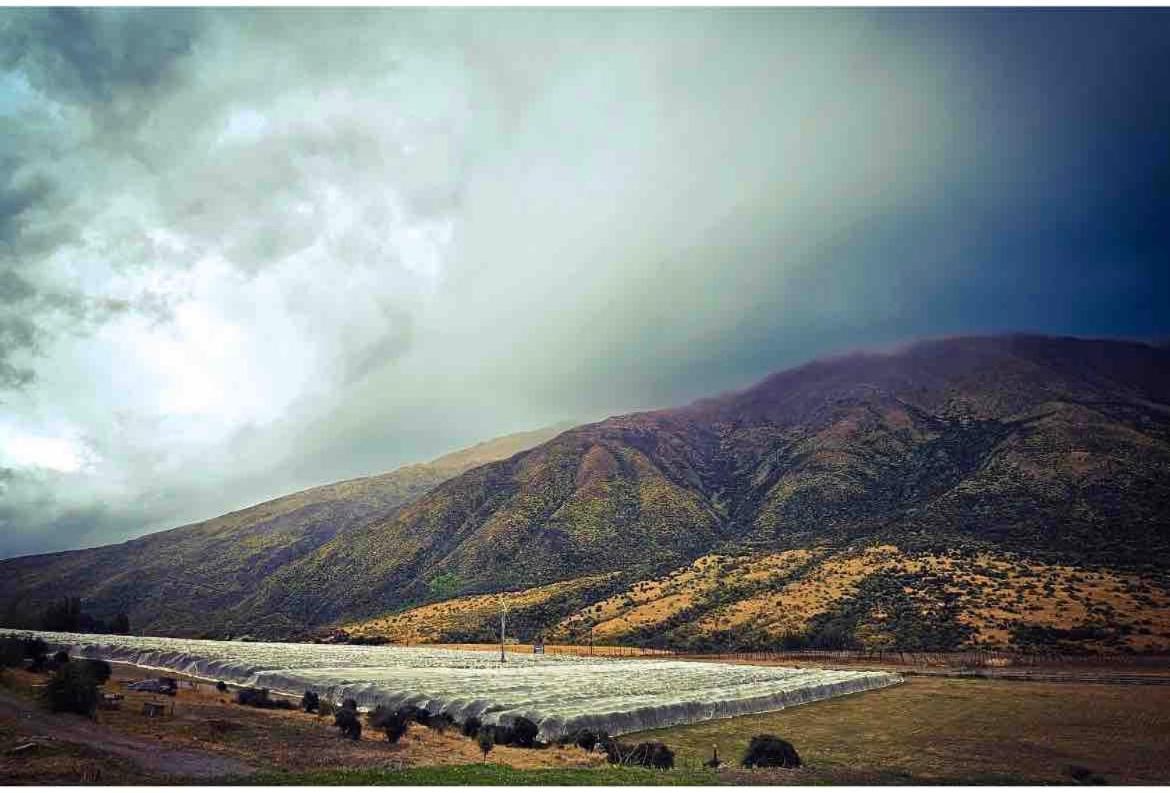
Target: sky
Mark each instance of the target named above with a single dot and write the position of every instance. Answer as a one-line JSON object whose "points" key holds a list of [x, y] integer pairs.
{"points": [[243, 252]]}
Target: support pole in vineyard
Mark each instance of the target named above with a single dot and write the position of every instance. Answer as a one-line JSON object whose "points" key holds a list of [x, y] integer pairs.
{"points": [[503, 626]]}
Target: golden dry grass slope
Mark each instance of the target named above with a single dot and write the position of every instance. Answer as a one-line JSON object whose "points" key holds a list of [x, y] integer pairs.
{"points": [[875, 597]]}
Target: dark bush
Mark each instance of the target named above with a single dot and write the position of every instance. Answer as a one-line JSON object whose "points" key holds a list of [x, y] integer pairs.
{"points": [[502, 734], [60, 658], [220, 686], [486, 738], [62, 616], [416, 714], [524, 733], [310, 702], [650, 754], [72, 689], [34, 646], [11, 652], [436, 721], [120, 625], [349, 704], [346, 719], [471, 727], [1084, 776], [100, 670], [441, 722], [656, 755], [768, 751], [253, 697], [588, 739], [258, 698], [392, 723]]}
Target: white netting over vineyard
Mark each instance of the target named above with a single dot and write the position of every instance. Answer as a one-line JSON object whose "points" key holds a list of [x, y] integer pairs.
{"points": [[560, 693]]}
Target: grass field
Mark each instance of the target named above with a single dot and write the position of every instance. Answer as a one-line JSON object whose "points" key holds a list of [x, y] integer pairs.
{"points": [[940, 730]]}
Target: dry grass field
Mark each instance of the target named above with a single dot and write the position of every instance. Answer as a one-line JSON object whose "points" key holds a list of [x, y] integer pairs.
{"points": [[942, 730]]}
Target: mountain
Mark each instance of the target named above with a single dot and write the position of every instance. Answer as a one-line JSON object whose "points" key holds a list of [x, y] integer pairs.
{"points": [[877, 490], [185, 581], [1006, 491]]}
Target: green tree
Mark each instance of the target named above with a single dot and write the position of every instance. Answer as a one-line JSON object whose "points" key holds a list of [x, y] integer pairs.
{"points": [[444, 586], [72, 689]]}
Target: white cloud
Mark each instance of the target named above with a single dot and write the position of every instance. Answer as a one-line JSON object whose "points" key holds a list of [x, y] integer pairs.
{"points": [[61, 454]]}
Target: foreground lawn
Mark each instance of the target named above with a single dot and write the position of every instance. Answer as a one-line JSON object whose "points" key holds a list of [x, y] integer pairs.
{"points": [[490, 774], [946, 730]]}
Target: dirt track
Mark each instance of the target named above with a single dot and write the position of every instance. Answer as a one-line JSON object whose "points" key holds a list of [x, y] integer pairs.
{"points": [[146, 754]]}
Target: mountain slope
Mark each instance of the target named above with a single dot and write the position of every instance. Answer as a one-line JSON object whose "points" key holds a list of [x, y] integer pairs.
{"points": [[1058, 449], [185, 580]]}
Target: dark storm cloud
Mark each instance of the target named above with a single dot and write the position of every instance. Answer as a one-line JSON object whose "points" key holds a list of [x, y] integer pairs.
{"points": [[99, 57], [246, 251], [83, 68]]}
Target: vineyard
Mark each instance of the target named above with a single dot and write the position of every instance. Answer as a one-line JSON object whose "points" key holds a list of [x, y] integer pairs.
{"points": [[560, 693]]}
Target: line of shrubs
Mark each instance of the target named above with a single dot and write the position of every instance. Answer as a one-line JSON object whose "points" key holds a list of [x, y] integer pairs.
{"points": [[764, 751], [31, 652], [394, 723]]}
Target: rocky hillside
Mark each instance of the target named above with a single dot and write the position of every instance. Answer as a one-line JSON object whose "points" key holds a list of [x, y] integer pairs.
{"points": [[186, 581]]}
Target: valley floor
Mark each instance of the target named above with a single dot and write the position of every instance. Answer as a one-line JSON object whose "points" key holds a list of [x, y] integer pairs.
{"points": [[929, 730]]}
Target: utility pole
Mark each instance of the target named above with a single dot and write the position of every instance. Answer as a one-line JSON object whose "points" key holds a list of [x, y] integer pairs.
{"points": [[503, 626]]}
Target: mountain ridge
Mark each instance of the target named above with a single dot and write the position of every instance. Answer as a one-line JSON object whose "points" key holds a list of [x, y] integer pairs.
{"points": [[984, 442]]}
